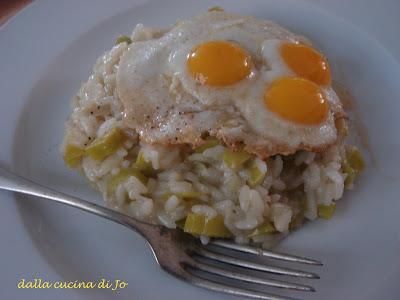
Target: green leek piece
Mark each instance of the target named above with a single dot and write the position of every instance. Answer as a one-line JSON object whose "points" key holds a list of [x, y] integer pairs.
{"points": [[350, 174], [197, 224], [256, 175], [355, 159], [123, 175], [143, 165], [266, 228], [188, 195], [73, 155], [353, 165], [106, 145], [123, 39], [234, 160], [326, 211], [215, 8], [209, 143]]}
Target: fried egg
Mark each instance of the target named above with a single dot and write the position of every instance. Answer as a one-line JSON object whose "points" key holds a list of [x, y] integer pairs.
{"points": [[248, 82]]}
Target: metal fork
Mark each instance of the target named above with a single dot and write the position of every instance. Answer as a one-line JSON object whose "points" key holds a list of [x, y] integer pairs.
{"points": [[181, 254]]}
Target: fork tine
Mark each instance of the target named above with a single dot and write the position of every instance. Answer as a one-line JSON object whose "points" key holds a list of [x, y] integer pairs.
{"points": [[252, 279], [225, 288], [252, 265], [266, 253]]}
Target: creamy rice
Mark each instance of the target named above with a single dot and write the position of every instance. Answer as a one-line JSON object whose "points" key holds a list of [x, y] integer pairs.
{"points": [[181, 181]]}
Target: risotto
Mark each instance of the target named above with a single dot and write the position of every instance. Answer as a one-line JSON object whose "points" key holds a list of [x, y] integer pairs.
{"points": [[211, 189]]}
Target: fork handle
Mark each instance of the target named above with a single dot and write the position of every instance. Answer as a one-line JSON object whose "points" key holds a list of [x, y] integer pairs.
{"points": [[15, 183]]}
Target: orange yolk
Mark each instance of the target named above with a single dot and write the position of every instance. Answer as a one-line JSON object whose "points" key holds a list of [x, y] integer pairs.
{"points": [[219, 63], [306, 62], [298, 100]]}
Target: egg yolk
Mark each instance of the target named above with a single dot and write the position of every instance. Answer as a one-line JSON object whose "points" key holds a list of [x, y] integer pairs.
{"points": [[219, 63], [297, 99], [306, 62]]}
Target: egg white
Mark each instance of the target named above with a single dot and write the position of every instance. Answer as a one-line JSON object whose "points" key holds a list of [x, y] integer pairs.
{"points": [[166, 104]]}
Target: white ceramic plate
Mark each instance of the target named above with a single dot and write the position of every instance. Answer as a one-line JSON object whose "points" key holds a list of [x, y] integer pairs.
{"points": [[48, 50]]}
